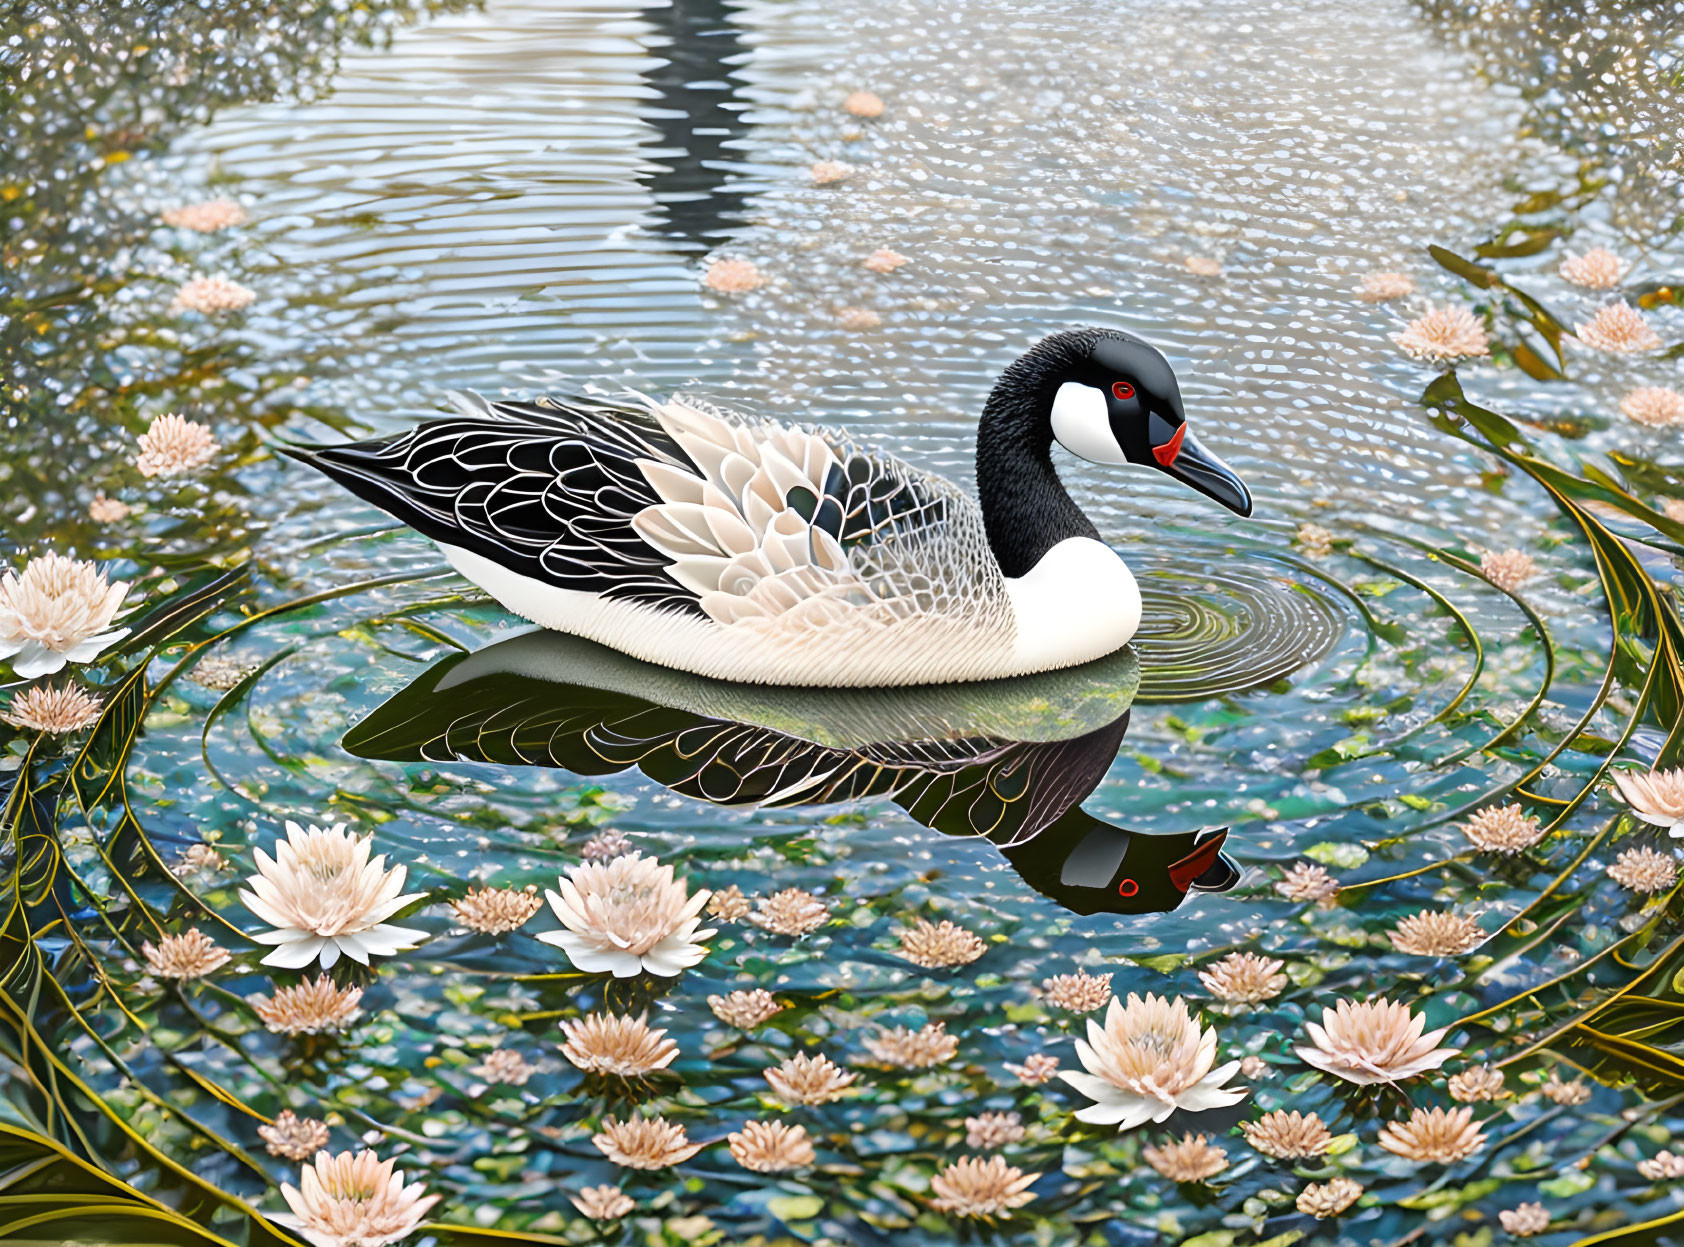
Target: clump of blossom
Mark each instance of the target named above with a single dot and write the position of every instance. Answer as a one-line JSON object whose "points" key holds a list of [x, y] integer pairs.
{"points": [[1571, 1094], [1661, 1166], [1434, 1135], [1203, 266], [803, 1079], [1037, 1068], [197, 858], [603, 1203], [1244, 978], [294, 1137], [206, 217], [1322, 1200], [830, 171], [1383, 287], [189, 956], [644, 1142], [174, 446], [55, 711], [103, 510], [1525, 1220], [497, 911], [219, 671], [1288, 1135], [988, 1131], [1080, 992], [1373, 1041], [859, 319], [729, 904], [863, 104], [938, 945], [605, 846], [771, 1147], [1619, 329], [1191, 1158], [1597, 269], [1306, 881], [913, 1049], [211, 296], [312, 1007], [627, 916], [1476, 1083], [57, 611], [744, 1009], [358, 1200], [732, 276], [1149, 1059], [619, 1046], [504, 1066], [793, 911], [979, 1189], [884, 260], [1444, 334], [1508, 570], [325, 897], [1314, 540], [1644, 871], [1503, 829], [1653, 405], [1436, 934]]}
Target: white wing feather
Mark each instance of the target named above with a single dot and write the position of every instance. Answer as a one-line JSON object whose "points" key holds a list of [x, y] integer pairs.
{"points": [[920, 600]]}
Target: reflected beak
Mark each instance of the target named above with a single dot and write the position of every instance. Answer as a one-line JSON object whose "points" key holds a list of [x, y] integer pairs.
{"points": [[1187, 459], [1202, 858]]}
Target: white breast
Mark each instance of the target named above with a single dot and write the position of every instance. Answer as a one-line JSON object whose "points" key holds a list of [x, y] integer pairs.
{"points": [[1080, 602]]}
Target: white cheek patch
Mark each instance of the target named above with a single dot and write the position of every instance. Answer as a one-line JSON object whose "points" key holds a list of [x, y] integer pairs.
{"points": [[1081, 421]]}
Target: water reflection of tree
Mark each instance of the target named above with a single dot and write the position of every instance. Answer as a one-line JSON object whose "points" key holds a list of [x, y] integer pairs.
{"points": [[1606, 78], [86, 88]]}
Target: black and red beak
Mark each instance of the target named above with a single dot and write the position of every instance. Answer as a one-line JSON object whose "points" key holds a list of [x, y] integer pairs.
{"points": [[1202, 861], [1183, 456]]}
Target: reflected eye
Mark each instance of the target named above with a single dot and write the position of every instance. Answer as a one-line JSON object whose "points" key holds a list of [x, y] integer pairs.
{"points": [[1128, 887], [1123, 390]]}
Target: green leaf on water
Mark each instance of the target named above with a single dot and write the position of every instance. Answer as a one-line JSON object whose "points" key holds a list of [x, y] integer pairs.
{"points": [[1568, 1184], [1480, 276], [795, 1207], [1341, 854], [1164, 963]]}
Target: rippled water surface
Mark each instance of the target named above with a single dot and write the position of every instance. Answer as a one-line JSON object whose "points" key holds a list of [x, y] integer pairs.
{"points": [[523, 197]]}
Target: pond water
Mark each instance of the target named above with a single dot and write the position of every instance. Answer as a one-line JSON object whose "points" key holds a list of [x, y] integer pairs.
{"points": [[520, 198]]}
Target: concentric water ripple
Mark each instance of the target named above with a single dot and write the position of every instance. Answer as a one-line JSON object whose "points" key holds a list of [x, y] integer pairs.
{"points": [[1228, 628]]}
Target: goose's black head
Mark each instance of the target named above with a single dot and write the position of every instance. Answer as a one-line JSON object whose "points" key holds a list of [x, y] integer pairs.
{"points": [[1104, 395]]}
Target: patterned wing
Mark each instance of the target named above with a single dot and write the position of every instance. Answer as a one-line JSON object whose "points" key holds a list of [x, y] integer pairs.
{"points": [[796, 528], [548, 490]]}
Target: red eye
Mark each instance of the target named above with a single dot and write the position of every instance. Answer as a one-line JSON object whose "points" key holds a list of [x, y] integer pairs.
{"points": [[1123, 390], [1128, 887]]}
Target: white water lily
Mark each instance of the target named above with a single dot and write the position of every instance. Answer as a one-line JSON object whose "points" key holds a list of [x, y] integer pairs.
{"points": [[626, 916], [354, 1200], [324, 896], [1374, 1041], [1656, 797], [57, 611], [1149, 1059]]}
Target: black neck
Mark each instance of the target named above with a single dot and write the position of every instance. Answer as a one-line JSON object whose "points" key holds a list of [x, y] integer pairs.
{"points": [[1024, 505]]}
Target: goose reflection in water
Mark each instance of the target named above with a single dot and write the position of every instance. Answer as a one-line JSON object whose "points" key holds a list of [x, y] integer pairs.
{"points": [[1009, 760]]}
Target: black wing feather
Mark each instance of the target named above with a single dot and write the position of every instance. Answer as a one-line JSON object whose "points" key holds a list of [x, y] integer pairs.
{"points": [[547, 490]]}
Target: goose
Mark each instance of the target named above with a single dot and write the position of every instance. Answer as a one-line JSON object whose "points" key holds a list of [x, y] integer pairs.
{"points": [[747, 550], [1009, 761]]}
